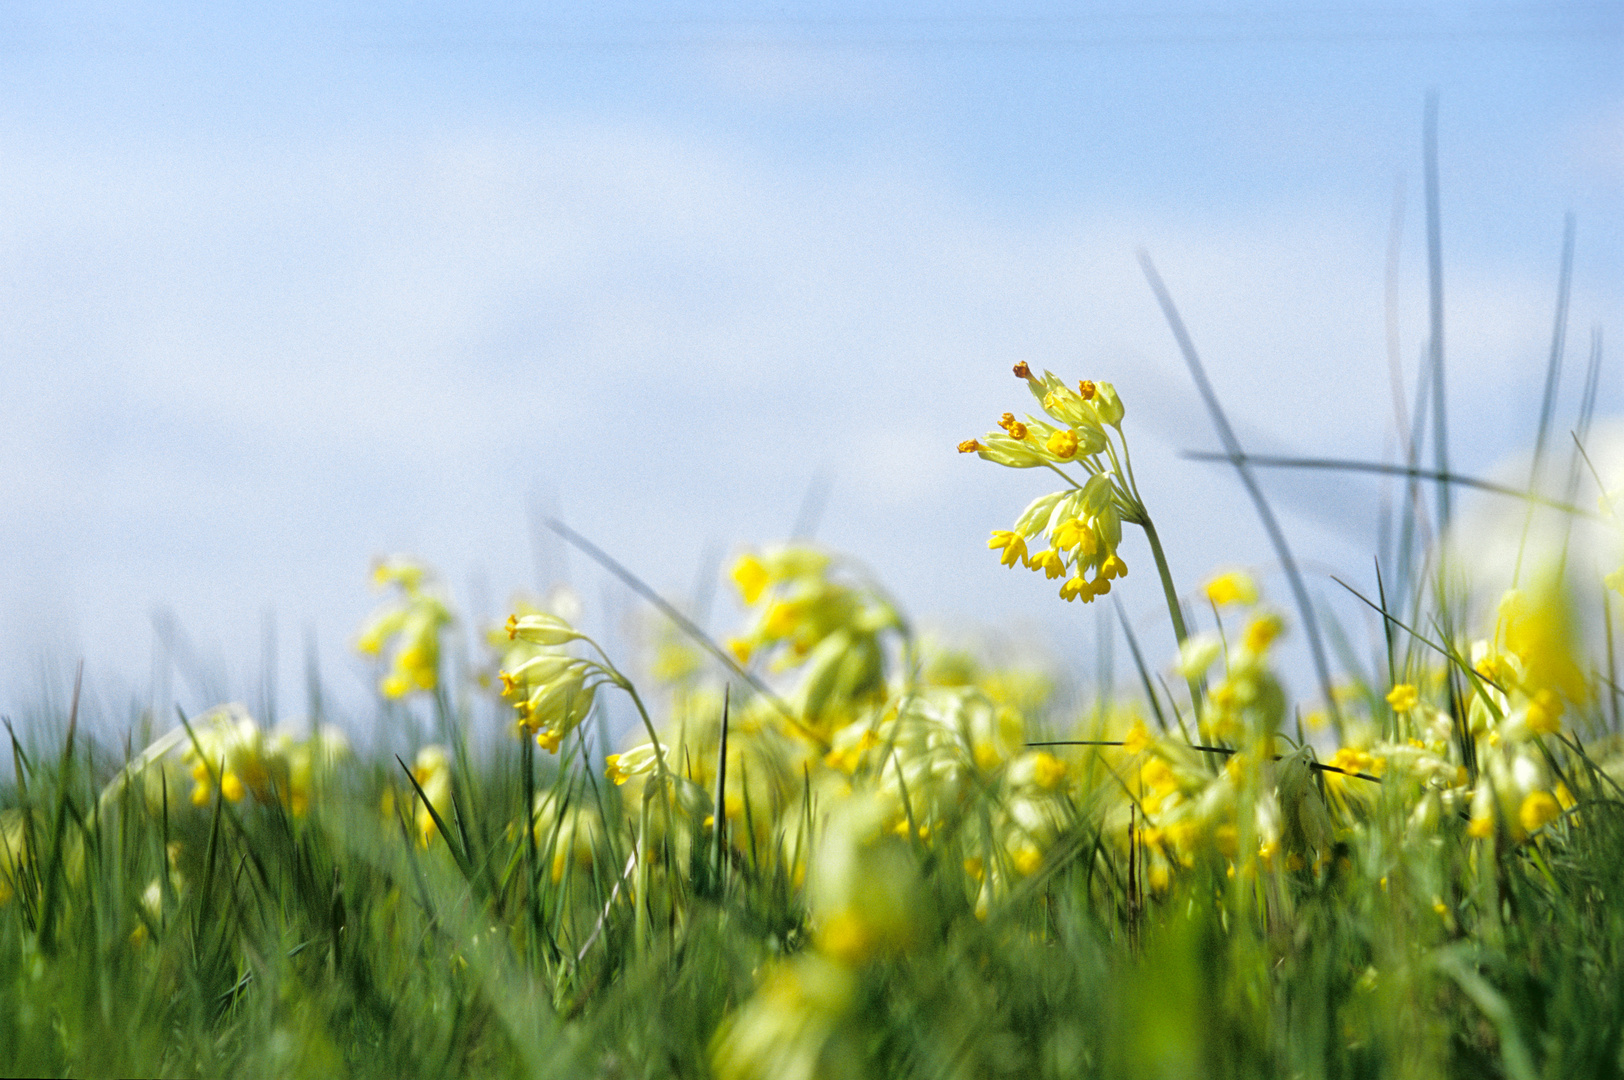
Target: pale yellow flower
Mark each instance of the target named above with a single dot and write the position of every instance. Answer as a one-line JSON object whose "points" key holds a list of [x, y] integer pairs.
{"points": [[1539, 808], [1231, 587], [1403, 697]]}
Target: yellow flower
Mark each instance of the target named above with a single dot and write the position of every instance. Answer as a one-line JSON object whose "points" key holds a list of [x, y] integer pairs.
{"points": [[1014, 546], [1077, 587], [1048, 771], [397, 570], [1007, 451], [413, 622], [432, 771], [1026, 860], [539, 628], [1404, 697], [1262, 631], [1539, 808], [637, 761], [782, 619], [1545, 713], [1108, 405], [1232, 587], [1071, 534], [1542, 630], [1063, 443], [752, 578], [1049, 562]]}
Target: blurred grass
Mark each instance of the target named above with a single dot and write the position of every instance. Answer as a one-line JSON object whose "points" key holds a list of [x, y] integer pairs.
{"points": [[333, 944]]}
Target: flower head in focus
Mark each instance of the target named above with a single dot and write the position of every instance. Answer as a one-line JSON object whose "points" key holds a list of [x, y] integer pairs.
{"points": [[1082, 524]]}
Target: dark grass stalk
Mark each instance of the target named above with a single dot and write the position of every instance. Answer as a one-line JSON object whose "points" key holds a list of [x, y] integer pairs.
{"points": [[54, 883], [1553, 376], [1435, 306], [1237, 457], [1139, 665], [1415, 529], [1175, 611], [1612, 656], [1388, 729], [1559, 334], [1578, 458], [719, 815], [1270, 461], [813, 504], [458, 854], [527, 792]]}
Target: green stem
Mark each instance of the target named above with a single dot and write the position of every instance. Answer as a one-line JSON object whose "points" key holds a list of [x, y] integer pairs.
{"points": [[1173, 609], [648, 725], [1127, 463], [1060, 473]]}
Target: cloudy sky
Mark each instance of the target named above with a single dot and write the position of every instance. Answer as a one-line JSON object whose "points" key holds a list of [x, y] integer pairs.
{"points": [[281, 291]]}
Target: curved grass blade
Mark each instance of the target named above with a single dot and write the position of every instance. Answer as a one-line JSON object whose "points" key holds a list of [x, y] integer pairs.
{"points": [[1271, 461], [685, 624]]}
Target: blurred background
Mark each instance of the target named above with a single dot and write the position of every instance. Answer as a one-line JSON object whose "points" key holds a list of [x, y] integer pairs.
{"points": [[286, 288]]}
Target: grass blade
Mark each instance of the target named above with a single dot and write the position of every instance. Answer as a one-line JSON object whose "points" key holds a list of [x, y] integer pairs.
{"points": [[1232, 444]]}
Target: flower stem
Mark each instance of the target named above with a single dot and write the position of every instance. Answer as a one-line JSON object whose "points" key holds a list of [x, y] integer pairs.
{"points": [[648, 725], [1172, 596]]}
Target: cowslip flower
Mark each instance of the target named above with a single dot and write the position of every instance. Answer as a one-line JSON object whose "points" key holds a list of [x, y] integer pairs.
{"points": [[410, 624], [553, 694], [432, 771], [1231, 587], [1403, 697]]}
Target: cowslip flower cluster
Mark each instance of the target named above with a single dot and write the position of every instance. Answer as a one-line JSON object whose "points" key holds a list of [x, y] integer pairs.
{"points": [[808, 615], [233, 755], [551, 690], [1083, 523], [408, 627], [1528, 677]]}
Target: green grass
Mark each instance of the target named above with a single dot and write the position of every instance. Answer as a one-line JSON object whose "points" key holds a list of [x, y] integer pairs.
{"points": [[333, 943]]}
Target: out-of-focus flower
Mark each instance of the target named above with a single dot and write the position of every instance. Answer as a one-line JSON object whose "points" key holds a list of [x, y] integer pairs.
{"points": [[790, 1029], [810, 613], [432, 771], [1231, 587], [570, 837], [863, 886], [408, 626], [14, 853]]}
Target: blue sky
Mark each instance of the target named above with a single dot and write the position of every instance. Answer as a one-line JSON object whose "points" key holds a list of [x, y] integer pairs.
{"points": [[284, 290]]}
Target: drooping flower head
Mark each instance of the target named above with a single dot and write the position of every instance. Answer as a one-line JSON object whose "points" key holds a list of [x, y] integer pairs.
{"points": [[1083, 524]]}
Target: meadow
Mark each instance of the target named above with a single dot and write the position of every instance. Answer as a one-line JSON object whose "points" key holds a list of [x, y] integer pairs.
{"points": [[836, 847]]}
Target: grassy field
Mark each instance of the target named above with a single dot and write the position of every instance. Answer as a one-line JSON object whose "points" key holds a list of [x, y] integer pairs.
{"points": [[838, 849]]}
